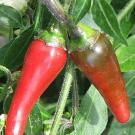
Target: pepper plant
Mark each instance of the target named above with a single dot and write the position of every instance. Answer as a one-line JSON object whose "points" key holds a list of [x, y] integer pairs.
{"points": [[67, 67]]}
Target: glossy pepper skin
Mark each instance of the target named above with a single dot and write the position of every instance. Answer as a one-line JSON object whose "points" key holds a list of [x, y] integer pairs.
{"points": [[41, 66], [100, 65]]}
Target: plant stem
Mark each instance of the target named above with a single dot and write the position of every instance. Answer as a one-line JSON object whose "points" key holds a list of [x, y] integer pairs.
{"points": [[58, 11], [38, 15], [8, 74], [126, 9], [75, 96], [8, 83], [63, 98]]}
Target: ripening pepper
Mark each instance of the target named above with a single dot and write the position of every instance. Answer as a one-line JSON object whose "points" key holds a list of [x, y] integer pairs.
{"points": [[96, 58], [42, 63]]}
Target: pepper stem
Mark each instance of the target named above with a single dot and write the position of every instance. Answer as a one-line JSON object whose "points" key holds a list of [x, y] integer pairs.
{"points": [[63, 98]]}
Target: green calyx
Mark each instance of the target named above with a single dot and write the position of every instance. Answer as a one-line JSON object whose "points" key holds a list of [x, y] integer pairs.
{"points": [[53, 38], [87, 38]]}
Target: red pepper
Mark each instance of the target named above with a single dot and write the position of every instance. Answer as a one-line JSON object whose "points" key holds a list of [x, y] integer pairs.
{"points": [[99, 63], [41, 66]]}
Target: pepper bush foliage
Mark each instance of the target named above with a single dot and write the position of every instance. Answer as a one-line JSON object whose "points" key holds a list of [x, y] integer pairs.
{"points": [[86, 114]]}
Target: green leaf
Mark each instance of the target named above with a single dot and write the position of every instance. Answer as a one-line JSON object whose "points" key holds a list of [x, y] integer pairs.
{"points": [[34, 125], [109, 1], [105, 17], [129, 78], [124, 129], [88, 20], [45, 17], [127, 24], [92, 117], [4, 32], [3, 51], [119, 4], [126, 55], [80, 8], [15, 54], [10, 16], [44, 113]]}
